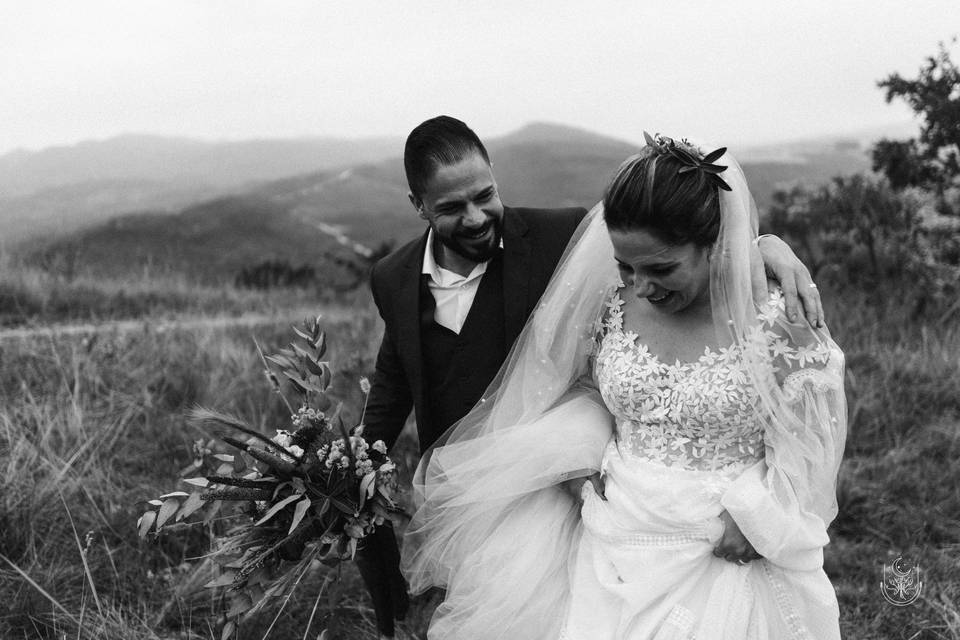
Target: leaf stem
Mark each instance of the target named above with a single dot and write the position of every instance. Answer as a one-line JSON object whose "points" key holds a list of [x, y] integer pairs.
{"points": [[363, 414], [276, 386]]}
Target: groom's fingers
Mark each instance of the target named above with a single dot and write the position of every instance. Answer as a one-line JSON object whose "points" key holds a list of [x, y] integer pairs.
{"points": [[790, 299], [810, 294], [801, 297], [758, 278]]}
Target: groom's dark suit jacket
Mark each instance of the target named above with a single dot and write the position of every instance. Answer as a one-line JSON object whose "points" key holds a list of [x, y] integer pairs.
{"points": [[440, 374], [414, 348]]}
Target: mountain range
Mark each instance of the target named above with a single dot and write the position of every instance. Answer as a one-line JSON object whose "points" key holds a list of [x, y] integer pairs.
{"points": [[62, 189], [182, 161], [213, 227]]}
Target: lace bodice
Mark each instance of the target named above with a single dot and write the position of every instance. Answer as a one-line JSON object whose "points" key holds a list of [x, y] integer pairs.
{"points": [[696, 415]]}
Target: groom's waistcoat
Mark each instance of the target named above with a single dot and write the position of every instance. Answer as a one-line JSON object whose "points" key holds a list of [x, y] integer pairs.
{"points": [[458, 367], [440, 376]]}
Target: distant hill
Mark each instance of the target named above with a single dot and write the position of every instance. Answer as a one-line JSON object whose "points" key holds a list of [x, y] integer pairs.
{"points": [[807, 168], [539, 165], [368, 203], [62, 189], [210, 243], [182, 161], [307, 217], [800, 150], [546, 165], [58, 211]]}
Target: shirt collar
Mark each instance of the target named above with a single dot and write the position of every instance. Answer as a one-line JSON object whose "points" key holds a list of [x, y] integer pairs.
{"points": [[437, 273]]}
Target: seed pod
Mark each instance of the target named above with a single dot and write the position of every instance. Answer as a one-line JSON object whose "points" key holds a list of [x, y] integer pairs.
{"points": [[233, 442], [278, 464], [243, 482], [237, 494]]}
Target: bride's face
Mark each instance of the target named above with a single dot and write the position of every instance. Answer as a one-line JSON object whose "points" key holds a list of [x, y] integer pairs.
{"points": [[672, 278]]}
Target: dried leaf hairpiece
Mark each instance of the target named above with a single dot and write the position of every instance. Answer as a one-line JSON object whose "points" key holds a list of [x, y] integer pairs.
{"points": [[691, 157]]}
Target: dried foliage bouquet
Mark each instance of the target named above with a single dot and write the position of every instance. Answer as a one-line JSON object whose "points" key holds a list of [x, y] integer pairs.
{"points": [[307, 495]]}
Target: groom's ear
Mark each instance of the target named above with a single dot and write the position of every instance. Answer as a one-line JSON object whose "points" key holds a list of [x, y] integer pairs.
{"points": [[417, 204]]}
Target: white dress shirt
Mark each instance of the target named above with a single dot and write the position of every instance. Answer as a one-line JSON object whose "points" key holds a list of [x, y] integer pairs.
{"points": [[452, 292]]}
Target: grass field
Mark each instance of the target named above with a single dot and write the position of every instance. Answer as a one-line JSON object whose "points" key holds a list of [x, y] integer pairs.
{"points": [[90, 426], [33, 296]]}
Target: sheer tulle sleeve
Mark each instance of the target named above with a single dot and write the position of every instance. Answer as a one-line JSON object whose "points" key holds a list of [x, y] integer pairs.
{"points": [[496, 528], [784, 504], [493, 525]]}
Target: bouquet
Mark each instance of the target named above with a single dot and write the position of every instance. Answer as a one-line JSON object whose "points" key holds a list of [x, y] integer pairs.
{"points": [[307, 495]]}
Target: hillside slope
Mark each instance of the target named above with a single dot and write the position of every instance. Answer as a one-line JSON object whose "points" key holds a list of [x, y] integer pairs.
{"points": [[302, 217], [182, 161], [208, 243]]}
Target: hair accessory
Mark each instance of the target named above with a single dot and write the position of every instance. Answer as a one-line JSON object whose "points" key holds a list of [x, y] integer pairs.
{"points": [[691, 157]]}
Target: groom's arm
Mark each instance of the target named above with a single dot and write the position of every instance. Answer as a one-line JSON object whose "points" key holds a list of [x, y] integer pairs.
{"points": [[390, 399], [782, 264], [388, 405]]}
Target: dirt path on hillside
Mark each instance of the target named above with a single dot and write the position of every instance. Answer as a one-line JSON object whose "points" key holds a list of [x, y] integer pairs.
{"points": [[183, 323]]}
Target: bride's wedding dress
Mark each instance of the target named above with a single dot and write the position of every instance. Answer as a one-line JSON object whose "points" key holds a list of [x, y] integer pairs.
{"points": [[689, 444], [756, 429]]}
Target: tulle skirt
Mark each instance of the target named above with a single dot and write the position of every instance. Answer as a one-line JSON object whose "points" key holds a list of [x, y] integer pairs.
{"points": [[644, 567], [497, 530], [520, 558]]}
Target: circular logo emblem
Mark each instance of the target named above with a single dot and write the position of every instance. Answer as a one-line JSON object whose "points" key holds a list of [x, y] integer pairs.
{"points": [[901, 584]]}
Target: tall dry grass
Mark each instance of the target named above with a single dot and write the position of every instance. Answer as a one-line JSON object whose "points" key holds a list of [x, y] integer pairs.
{"points": [[899, 489], [30, 295], [89, 427]]}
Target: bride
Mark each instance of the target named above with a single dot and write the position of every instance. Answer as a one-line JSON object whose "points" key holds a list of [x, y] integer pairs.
{"points": [[711, 427]]}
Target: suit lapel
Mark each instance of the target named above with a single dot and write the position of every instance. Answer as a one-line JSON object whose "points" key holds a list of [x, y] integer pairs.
{"points": [[408, 318], [516, 274]]}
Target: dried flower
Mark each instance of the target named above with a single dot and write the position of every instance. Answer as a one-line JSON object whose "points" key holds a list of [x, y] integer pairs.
{"points": [[303, 507], [283, 438], [295, 450]]}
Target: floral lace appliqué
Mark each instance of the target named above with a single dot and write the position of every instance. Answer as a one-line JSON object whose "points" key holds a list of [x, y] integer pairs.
{"points": [[699, 415]]}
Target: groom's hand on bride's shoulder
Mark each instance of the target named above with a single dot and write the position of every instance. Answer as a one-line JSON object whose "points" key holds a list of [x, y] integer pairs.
{"points": [[800, 293]]}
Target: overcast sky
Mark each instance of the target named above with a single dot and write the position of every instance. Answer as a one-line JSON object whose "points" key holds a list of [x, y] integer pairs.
{"points": [[733, 70]]}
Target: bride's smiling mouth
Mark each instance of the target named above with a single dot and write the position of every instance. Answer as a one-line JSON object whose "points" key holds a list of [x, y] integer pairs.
{"points": [[661, 298]]}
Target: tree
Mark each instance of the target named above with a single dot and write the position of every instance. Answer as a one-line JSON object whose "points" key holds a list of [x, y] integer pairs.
{"points": [[856, 221], [933, 159], [898, 234]]}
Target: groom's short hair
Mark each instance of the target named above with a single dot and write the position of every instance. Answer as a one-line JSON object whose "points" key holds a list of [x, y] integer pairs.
{"points": [[438, 141]]}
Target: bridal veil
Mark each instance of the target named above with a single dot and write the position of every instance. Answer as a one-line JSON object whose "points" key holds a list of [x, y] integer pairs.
{"points": [[492, 525]]}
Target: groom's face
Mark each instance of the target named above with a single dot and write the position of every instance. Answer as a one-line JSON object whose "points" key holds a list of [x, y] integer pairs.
{"points": [[462, 206]]}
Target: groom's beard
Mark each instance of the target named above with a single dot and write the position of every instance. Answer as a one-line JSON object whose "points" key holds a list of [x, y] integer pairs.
{"points": [[465, 243]]}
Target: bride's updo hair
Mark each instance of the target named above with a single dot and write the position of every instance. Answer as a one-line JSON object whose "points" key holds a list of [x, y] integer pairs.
{"points": [[648, 192]]}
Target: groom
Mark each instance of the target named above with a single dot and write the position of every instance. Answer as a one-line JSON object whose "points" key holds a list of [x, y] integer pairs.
{"points": [[454, 300]]}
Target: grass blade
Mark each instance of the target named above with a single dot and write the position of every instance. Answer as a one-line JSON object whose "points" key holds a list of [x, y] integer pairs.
{"points": [[83, 556], [40, 589]]}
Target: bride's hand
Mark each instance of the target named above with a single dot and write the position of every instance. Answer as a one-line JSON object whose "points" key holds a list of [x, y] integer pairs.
{"points": [[733, 545], [575, 486]]}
